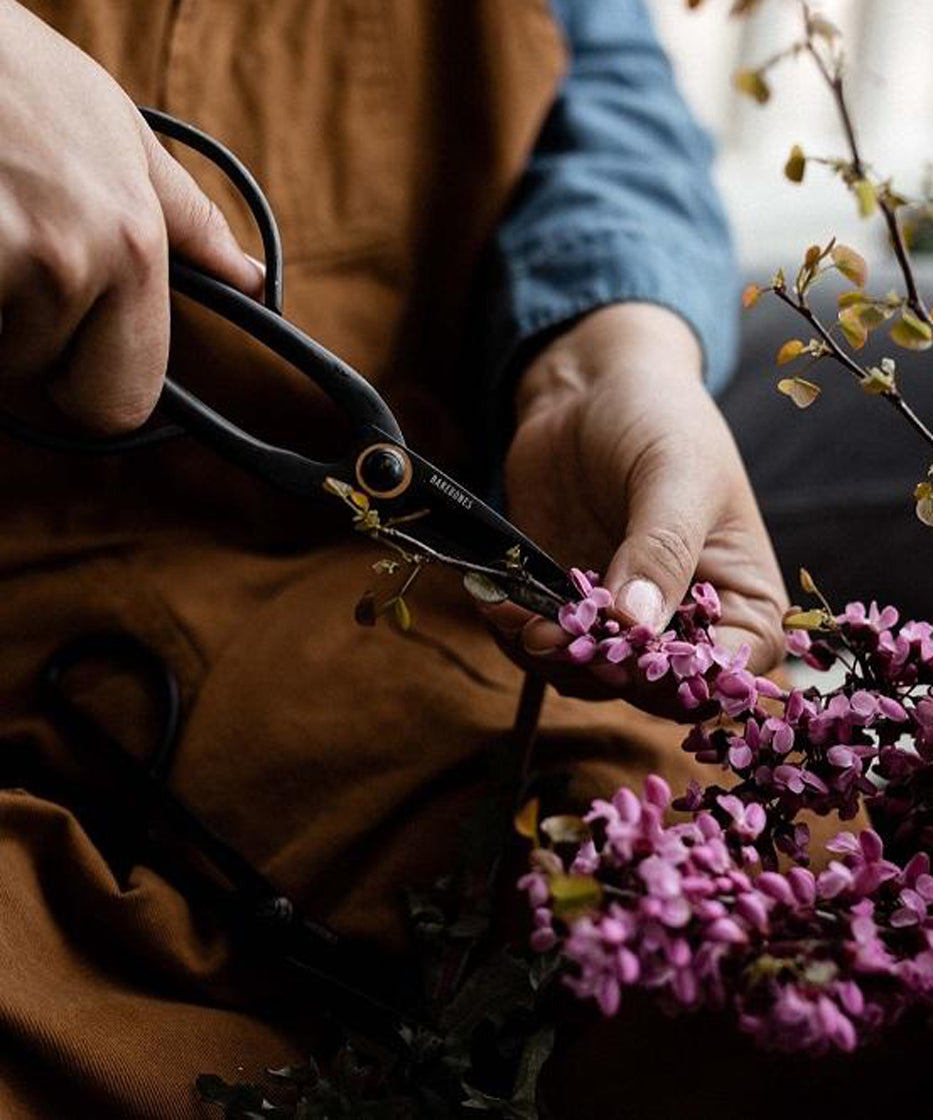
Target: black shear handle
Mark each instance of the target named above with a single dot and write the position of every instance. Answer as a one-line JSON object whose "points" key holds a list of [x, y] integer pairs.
{"points": [[346, 388]]}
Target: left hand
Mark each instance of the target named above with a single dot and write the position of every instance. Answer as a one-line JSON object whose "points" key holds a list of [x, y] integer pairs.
{"points": [[622, 462]]}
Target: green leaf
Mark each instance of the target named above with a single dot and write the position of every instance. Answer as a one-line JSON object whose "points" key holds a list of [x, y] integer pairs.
{"points": [[796, 164], [402, 614], [851, 325], [866, 197], [574, 894], [566, 829], [911, 332], [851, 264]]}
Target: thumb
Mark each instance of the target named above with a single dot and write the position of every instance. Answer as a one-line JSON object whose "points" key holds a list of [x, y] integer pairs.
{"points": [[197, 229], [651, 571]]}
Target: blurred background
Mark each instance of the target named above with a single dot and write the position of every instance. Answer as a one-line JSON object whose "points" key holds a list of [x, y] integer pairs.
{"points": [[835, 482], [889, 51]]}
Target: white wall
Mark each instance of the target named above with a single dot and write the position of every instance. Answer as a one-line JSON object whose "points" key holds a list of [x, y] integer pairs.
{"points": [[889, 50]]}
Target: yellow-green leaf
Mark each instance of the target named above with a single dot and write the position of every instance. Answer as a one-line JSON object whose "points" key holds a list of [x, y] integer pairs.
{"points": [[574, 894], [912, 332], [402, 614], [526, 819], [877, 381], [566, 829], [871, 316], [852, 299], [359, 499], [816, 619], [752, 83], [796, 164], [851, 264], [791, 349], [866, 197], [750, 295], [851, 325], [803, 393]]}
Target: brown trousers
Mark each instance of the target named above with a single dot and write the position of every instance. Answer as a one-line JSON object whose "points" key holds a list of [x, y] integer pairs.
{"points": [[388, 134]]}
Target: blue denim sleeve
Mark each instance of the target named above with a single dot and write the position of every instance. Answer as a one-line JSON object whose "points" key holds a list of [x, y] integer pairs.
{"points": [[617, 203]]}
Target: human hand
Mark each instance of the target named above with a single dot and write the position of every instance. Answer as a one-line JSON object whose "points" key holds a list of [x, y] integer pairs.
{"points": [[622, 462], [89, 204]]}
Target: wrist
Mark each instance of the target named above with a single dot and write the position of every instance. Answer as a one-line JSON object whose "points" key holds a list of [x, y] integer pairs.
{"points": [[611, 344]]}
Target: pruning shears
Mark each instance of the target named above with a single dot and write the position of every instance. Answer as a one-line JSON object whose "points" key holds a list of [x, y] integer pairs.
{"points": [[395, 491]]}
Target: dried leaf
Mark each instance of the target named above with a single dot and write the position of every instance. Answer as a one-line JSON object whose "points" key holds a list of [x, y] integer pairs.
{"points": [[807, 583], [866, 197], [796, 164], [566, 829], [483, 588], [526, 819], [574, 894], [851, 264], [791, 349], [823, 28], [752, 83], [750, 295], [365, 611], [924, 496], [912, 332], [803, 393], [812, 256]]}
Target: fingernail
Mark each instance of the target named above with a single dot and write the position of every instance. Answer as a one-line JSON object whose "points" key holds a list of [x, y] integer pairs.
{"points": [[642, 602], [260, 269]]}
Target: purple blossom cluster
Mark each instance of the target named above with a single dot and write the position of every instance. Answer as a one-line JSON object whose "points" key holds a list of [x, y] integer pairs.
{"points": [[702, 911]]}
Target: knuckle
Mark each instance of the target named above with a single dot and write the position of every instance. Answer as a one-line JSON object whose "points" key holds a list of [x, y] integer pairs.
{"points": [[62, 262], [141, 243], [670, 550]]}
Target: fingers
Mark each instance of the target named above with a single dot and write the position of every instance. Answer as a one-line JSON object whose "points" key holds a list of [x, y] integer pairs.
{"points": [[118, 357], [651, 571], [197, 229]]}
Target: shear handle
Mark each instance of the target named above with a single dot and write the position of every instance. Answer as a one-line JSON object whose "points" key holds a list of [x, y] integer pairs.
{"points": [[286, 469]]}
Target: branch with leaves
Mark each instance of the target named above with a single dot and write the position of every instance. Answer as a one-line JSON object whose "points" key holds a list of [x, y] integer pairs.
{"points": [[859, 312]]}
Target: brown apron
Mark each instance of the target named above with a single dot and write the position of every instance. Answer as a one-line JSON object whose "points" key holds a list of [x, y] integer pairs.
{"points": [[388, 134]]}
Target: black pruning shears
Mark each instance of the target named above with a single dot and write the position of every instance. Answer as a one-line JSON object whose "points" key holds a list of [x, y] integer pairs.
{"points": [[431, 512]]}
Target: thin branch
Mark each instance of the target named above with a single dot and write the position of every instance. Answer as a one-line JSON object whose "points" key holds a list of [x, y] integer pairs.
{"points": [[835, 83], [892, 396]]}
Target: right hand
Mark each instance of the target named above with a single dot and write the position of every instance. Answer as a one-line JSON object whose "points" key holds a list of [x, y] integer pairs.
{"points": [[90, 203]]}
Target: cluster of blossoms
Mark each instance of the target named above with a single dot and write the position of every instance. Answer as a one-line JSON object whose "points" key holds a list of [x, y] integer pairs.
{"points": [[702, 911]]}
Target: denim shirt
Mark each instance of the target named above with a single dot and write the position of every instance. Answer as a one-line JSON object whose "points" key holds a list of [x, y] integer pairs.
{"points": [[617, 202]]}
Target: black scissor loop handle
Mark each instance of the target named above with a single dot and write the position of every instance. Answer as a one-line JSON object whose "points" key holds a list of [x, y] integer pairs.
{"points": [[263, 321], [346, 388]]}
